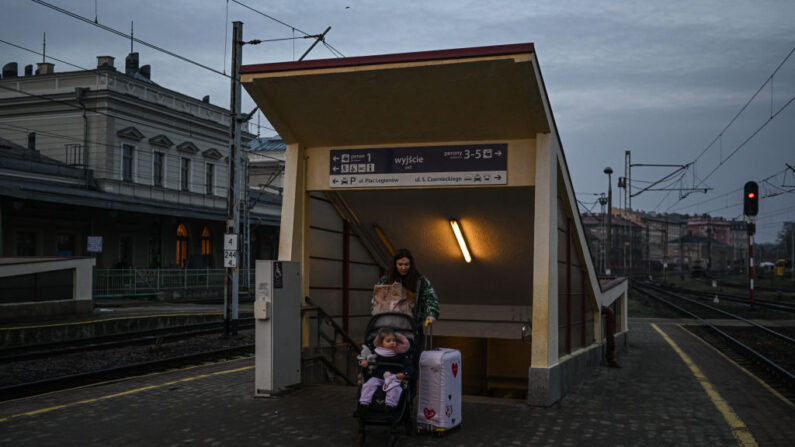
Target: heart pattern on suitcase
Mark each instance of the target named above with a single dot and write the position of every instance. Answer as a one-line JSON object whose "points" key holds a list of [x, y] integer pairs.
{"points": [[429, 413], [455, 369]]}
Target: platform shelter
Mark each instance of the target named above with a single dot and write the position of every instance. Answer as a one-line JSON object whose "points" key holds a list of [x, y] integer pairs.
{"points": [[394, 151]]}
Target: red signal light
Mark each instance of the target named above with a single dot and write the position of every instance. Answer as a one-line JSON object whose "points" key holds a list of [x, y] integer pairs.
{"points": [[751, 195]]}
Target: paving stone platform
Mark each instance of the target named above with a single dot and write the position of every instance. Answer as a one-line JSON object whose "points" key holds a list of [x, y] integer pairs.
{"points": [[653, 400]]}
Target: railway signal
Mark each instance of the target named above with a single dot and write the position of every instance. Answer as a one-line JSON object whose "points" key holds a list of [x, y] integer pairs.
{"points": [[751, 199], [751, 209]]}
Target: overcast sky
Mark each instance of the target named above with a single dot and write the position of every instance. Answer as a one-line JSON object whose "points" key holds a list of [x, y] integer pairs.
{"points": [[661, 79]]}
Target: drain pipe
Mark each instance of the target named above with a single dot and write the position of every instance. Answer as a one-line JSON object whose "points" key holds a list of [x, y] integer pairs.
{"points": [[79, 93], [610, 355]]}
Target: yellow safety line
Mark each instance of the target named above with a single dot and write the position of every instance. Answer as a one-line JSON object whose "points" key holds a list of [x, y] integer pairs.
{"points": [[124, 393], [738, 427], [123, 379], [752, 375], [109, 319]]}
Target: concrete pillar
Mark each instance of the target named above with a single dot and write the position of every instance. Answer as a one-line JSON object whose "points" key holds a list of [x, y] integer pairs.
{"points": [[544, 386], [294, 230]]}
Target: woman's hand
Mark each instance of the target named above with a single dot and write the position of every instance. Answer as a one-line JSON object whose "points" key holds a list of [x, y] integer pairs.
{"points": [[363, 363], [429, 320]]}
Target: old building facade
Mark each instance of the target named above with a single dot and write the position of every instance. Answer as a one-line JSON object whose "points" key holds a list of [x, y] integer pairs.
{"points": [[147, 170]]}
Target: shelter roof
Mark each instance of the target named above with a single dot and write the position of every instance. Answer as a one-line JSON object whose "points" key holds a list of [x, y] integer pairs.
{"points": [[481, 93]]}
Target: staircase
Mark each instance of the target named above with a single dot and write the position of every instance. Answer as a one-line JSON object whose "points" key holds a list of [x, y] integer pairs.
{"points": [[331, 354]]}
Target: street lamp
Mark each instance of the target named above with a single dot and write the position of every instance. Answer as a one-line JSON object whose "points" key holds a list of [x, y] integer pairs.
{"points": [[609, 171]]}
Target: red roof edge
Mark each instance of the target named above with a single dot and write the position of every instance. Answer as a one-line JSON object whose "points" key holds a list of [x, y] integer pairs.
{"points": [[459, 53], [609, 285]]}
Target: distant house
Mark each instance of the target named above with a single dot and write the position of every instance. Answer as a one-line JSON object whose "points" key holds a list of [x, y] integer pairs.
{"points": [[108, 155], [266, 158]]}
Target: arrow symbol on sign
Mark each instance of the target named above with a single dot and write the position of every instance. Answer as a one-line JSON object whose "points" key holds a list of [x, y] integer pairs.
{"points": [[335, 169], [335, 158], [334, 181], [498, 177], [498, 153]]}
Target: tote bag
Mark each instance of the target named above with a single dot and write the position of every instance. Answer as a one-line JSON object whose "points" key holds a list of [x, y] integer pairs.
{"points": [[392, 298]]}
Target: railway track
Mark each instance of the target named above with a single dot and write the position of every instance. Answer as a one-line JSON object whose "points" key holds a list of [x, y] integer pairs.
{"points": [[769, 304], [152, 336], [768, 353], [43, 368], [104, 375]]}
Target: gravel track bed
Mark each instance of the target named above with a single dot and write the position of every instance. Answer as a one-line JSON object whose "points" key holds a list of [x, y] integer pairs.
{"points": [[81, 362], [772, 347]]}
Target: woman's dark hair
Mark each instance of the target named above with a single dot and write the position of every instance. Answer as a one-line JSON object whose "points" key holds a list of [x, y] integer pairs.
{"points": [[410, 280]]}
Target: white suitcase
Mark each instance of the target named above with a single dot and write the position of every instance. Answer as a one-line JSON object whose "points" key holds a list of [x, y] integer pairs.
{"points": [[439, 401]]}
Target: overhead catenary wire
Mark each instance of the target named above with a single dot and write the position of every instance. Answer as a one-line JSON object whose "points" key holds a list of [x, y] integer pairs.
{"points": [[112, 173], [42, 54], [719, 137], [131, 38], [306, 35], [151, 124]]}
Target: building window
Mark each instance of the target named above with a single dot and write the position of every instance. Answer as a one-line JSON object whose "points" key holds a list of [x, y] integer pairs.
{"points": [[207, 247], [158, 168], [185, 174], [65, 244], [209, 178], [26, 243], [182, 245], [127, 157], [125, 252]]}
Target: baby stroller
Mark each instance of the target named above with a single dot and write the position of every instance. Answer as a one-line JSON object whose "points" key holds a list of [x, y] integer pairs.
{"points": [[378, 413]]}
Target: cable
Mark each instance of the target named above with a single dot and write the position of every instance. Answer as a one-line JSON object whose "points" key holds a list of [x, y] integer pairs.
{"points": [[719, 137], [332, 49], [77, 107], [266, 15], [129, 37], [747, 140], [112, 174], [41, 54], [723, 195], [769, 79]]}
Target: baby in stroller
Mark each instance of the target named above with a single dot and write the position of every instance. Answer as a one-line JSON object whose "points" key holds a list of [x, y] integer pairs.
{"points": [[392, 366], [389, 358]]}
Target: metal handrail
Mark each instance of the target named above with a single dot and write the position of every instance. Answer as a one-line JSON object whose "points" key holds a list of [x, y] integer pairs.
{"points": [[351, 347]]}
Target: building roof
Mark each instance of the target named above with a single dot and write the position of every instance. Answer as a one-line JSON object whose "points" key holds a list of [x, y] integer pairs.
{"points": [[420, 56], [274, 143], [12, 151], [496, 93]]}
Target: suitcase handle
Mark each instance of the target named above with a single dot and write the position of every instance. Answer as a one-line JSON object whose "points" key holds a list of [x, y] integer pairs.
{"points": [[429, 335]]}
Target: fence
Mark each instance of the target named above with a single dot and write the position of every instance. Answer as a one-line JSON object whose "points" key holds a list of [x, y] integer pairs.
{"points": [[111, 283]]}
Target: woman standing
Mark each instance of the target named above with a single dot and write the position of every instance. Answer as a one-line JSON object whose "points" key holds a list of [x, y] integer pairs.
{"points": [[405, 272]]}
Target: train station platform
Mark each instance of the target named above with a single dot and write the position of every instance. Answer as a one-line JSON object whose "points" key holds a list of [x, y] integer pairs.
{"points": [[672, 389], [112, 316]]}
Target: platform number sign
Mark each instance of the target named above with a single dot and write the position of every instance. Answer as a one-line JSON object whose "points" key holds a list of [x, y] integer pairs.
{"points": [[230, 250]]}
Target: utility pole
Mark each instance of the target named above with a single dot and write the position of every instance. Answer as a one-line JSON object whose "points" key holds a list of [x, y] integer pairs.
{"points": [[602, 203], [648, 246], [681, 252], [231, 238], [608, 267], [792, 255], [628, 203], [709, 245]]}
